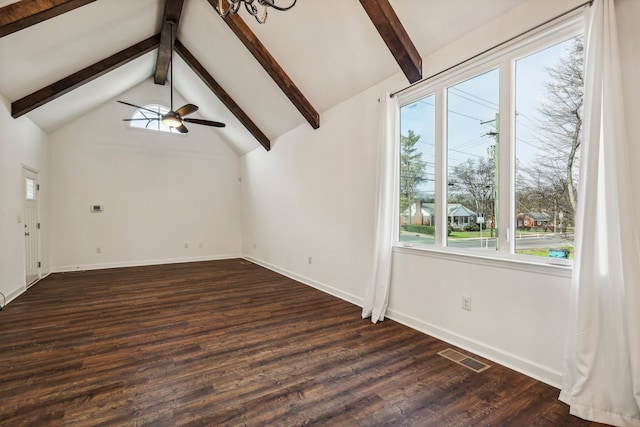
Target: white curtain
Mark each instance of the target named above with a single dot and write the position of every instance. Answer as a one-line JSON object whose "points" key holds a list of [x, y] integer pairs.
{"points": [[387, 210], [601, 377]]}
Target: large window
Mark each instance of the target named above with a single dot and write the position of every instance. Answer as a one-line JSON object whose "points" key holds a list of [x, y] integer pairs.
{"points": [[489, 154]]}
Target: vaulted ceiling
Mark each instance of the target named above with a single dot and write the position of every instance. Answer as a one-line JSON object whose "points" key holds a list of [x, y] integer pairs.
{"points": [[262, 80]]}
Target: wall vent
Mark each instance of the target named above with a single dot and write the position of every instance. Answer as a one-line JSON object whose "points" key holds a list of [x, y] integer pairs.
{"points": [[464, 360]]}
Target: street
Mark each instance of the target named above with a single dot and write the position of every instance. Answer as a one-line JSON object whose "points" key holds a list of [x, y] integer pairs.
{"points": [[543, 240]]}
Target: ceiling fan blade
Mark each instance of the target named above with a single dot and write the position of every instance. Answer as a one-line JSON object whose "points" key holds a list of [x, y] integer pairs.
{"points": [[141, 108], [133, 120], [205, 122], [186, 110], [182, 129]]}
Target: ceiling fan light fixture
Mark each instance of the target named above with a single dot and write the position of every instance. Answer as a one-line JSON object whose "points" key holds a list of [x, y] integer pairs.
{"points": [[174, 119], [232, 6], [171, 119]]}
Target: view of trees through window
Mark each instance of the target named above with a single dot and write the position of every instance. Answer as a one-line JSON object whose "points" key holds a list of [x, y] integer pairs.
{"points": [[417, 172], [472, 155], [548, 92]]}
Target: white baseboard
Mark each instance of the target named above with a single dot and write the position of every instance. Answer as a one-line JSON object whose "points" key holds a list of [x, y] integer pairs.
{"points": [[22, 289], [139, 263], [310, 282], [15, 294], [519, 364]]}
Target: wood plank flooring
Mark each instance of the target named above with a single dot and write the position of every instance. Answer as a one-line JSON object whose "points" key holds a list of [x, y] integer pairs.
{"points": [[231, 343]]}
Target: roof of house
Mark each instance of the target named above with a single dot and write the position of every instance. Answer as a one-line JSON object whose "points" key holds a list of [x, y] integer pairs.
{"points": [[456, 209], [453, 209], [537, 216]]}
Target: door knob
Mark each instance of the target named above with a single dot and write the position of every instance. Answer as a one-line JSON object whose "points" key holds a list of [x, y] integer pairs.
{"points": [[27, 233]]}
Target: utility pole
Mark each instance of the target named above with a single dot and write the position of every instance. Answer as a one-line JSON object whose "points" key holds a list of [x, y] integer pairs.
{"points": [[494, 152]]}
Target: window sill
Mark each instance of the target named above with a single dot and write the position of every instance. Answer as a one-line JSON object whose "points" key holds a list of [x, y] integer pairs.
{"points": [[559, 269]]}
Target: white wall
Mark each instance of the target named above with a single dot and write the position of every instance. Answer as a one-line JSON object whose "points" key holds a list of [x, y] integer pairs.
{"points": [[21, 144], [313, 195], [160, 192]]}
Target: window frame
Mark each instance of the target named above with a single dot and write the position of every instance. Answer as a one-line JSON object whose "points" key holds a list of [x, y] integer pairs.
{"points": [[151, 106], [504, 59]]}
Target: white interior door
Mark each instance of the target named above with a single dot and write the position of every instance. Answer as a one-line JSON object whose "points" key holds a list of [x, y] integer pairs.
{"points": [[31, 226]]}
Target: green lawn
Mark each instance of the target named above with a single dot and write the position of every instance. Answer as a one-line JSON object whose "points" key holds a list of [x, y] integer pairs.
{"points": [[419, 238], [543, 251], [469, 234]]}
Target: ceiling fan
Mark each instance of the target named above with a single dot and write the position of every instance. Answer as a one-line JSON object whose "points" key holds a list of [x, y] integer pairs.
{"points": [[174, 118]]}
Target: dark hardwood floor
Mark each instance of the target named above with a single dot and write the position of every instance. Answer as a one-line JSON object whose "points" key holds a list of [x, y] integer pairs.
{"points": [[231, 343]]}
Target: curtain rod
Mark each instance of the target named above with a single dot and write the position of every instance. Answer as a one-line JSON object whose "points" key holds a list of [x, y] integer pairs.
{"points": [[590, 2]]}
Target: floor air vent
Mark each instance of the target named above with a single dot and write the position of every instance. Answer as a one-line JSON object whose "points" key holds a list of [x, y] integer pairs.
{"points": [[464, 360]]}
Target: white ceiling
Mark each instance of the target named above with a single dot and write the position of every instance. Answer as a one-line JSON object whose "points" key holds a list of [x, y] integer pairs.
{"points": [[329, 48]]}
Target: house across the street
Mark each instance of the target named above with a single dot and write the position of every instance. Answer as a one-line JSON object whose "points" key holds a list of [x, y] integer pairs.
{"points": [[458, 215], [533, 219]]}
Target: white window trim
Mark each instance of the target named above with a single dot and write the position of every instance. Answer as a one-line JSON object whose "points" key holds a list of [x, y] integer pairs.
{"points": [[531, 264], [505, 58]]}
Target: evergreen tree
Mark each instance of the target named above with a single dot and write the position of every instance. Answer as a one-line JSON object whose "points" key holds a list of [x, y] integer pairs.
{"points": [[412, 169]]}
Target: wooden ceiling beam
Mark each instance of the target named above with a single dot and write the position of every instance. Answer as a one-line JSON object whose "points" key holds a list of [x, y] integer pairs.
{"points": [[395, 36], [20, 15], [224, 97], [172, 13], [75, 80], [271, 66]]}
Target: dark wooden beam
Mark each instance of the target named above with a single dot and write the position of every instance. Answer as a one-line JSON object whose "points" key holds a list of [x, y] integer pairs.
{"points": [[172, 12], [222, 95], [271, 66], [20, 15], [395, 36], [75, 80]]}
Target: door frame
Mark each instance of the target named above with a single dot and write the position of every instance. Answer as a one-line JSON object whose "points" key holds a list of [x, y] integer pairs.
{"points": [[31, 279]]}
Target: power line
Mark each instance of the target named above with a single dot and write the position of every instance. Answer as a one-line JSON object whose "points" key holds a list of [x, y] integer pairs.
{"points": [[473, 100], [475, 96], [464, 115], [422, 101]]}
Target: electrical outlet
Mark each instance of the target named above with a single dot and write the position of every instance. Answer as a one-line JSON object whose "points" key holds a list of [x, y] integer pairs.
{"points": [[98, 250], [310, 260], [201, 245], [466, 303], [186, 246]]}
